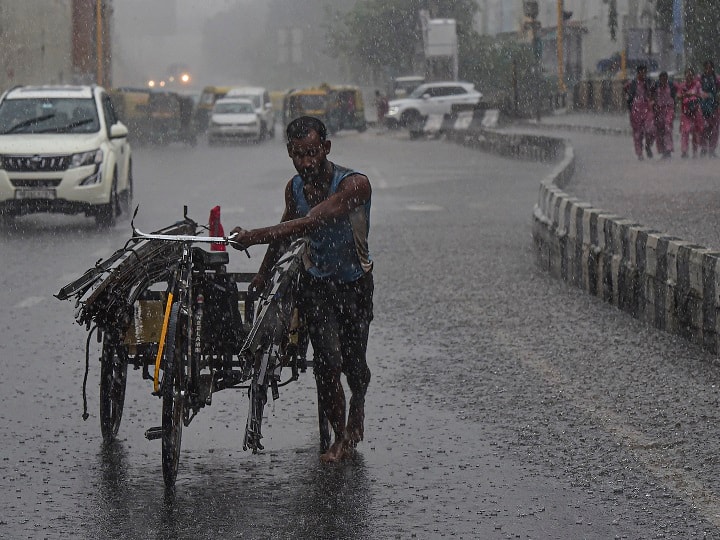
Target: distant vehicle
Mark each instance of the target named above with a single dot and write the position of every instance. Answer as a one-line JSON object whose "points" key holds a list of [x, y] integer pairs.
{"points": [[339, 107], [260, 98], [429, 98], [208, 97], [156, 117], [234, 119], [403, 86], [63, 150]]}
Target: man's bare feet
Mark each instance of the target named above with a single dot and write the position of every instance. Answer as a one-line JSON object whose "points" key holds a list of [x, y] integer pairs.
{"points": [[338, 451], [355, 428]]}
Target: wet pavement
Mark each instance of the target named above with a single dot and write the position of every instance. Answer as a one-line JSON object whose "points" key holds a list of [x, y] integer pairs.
{"points": [[504, 404], [679, 197]]}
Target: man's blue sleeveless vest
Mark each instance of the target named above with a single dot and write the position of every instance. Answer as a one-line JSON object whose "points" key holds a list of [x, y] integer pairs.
{"points": [[338, 250]]}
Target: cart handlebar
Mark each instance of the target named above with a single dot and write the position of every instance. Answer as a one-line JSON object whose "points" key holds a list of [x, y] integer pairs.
{"points": [[225, 240]]}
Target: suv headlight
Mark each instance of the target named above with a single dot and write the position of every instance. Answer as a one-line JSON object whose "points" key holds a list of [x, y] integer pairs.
{"points": [[393, 110], [93, 157]]}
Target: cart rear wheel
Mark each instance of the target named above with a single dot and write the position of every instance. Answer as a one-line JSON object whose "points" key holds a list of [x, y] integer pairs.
{"points": [[113, 380], [173, 397]]}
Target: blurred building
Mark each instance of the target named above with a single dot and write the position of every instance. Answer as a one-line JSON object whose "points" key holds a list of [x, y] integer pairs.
{"points": [[53, 42], [297, 45], [589, 46]]}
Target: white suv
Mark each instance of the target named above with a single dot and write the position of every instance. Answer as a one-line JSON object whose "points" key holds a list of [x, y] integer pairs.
{"points": [[63, 150], [427, 99], [263, 106]]}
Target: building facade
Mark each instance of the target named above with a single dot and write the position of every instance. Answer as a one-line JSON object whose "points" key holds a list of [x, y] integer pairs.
{"points": [[53, 42], [590, 49]]}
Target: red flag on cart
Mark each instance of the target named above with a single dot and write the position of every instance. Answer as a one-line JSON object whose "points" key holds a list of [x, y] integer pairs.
{"points": [[216, 228]]}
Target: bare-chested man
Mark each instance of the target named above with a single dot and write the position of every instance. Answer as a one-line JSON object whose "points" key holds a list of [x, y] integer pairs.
{"points": [[331, 206]]}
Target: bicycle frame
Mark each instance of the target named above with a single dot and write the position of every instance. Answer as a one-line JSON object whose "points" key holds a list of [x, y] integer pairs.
{"points": [[192, 347]]}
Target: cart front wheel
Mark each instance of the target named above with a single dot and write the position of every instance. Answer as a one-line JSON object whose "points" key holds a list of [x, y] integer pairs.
{"points": [[113, 380], [173, 398]]}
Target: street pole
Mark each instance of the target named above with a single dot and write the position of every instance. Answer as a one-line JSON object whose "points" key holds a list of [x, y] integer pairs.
{"points": [[100, 76], [561, 45]]}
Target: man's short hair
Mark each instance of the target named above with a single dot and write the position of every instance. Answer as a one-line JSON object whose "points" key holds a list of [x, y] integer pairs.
{"points": [[302, 126]]}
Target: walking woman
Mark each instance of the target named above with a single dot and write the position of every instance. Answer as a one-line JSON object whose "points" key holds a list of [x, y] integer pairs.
{"points": [[638, 93], [691, 119], [709, 83], [665, 91]]}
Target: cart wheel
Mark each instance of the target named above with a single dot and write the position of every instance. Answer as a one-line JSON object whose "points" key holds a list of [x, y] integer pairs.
{"points": [[173, 398], [113, 379]]}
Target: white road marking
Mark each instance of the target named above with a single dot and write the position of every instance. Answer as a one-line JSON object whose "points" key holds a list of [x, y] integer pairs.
{"points": [[424, 207], [30, 301], [377, 179]]}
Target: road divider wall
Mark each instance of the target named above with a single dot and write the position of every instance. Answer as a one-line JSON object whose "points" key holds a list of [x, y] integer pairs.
{"points": [[663, 280]]}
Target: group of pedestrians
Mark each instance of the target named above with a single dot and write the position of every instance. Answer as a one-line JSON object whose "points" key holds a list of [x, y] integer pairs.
{"points": [[652, 106]]}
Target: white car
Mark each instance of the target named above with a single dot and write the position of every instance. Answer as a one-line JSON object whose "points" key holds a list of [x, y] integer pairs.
{"points": [[260, 98], [63, 150], [427, 99], [234, 119]]}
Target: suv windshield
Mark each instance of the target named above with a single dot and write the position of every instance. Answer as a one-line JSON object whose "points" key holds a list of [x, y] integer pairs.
{"points": [[48, 115]]}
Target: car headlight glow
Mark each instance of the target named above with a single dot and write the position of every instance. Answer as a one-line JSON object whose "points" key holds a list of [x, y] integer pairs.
{"points": [[92, 157], [392, 111]]}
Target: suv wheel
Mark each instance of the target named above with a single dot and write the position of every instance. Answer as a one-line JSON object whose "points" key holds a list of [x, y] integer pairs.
{"points": [[107, 215]]}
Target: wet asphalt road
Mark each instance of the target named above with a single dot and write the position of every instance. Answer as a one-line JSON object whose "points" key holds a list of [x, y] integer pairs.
{"points": [[503, 404]]}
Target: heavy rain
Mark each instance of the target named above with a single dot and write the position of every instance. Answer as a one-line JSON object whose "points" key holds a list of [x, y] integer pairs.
{"points": [[477, 300]]}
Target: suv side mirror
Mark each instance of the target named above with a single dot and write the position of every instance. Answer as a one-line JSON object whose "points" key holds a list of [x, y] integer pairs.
{"points": [[118, 131]]}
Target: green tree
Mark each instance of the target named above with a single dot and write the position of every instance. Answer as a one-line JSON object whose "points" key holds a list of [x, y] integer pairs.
{"points": [[384, 35], [613, 19], [702, 19]]}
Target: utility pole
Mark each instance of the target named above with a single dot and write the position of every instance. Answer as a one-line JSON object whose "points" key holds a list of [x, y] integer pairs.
{"points": [[561, 46], [99, 53]]}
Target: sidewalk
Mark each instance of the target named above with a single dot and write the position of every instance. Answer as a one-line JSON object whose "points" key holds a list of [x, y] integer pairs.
{"points": [[679, 197], [641, 235], [589, 122]]}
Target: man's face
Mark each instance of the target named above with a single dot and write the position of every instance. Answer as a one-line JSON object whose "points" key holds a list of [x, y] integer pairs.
{"points": [[309, 155]]}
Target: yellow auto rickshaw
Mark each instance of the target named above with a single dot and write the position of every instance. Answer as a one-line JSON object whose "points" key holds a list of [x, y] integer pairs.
{"points": [[339, 107], [208, 97]]}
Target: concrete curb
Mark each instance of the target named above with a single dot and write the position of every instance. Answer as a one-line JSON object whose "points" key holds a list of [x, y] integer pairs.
{"points": [[671, 284]]}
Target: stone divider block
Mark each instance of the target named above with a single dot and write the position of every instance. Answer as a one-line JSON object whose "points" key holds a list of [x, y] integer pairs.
{"points": [[669, 283]]}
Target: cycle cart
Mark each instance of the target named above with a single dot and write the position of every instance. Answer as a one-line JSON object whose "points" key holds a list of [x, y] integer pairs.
{"points": [[170, 308]]}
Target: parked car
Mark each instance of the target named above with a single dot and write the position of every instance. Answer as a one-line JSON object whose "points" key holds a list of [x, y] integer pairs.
{"points": [[234, 119], [63, 150], [429, 98], [260, 98]]}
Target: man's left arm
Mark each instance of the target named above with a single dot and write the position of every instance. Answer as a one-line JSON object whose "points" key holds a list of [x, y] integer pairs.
{"points": [[354, 191]]}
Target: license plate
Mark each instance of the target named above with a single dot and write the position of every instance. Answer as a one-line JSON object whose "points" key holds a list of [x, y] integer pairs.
{"points": [[34, 193]]}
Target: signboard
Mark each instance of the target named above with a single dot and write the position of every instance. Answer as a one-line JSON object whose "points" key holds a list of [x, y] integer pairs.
{"points": [[441, 38]]}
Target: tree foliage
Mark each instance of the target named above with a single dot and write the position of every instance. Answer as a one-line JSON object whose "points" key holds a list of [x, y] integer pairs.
{"points": [[384, 35], [613, 19], [702, 19]]}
